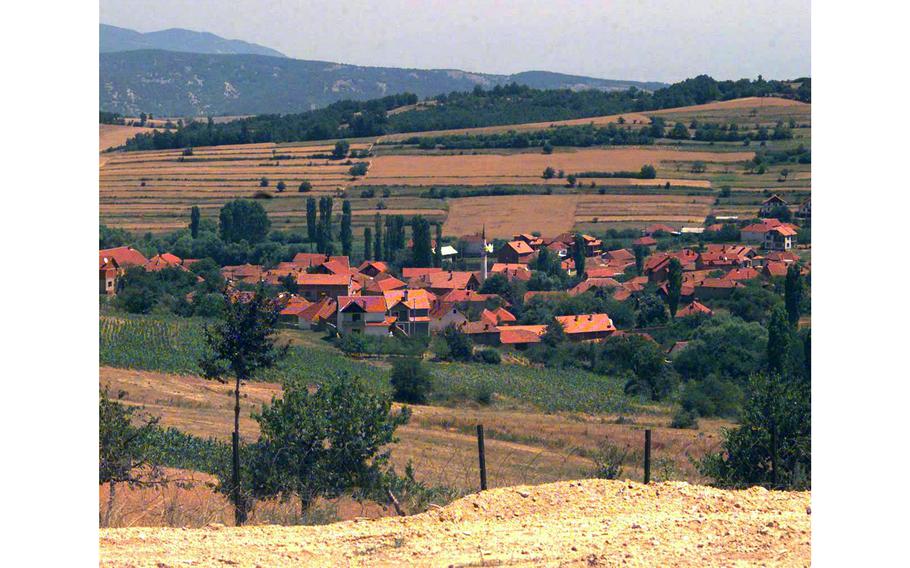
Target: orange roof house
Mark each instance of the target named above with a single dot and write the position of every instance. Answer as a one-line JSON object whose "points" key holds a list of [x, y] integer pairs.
{"points": [[441, 282], [309, 259], [594, 284], [162, 261], [372, 268], [499, 316], [515, 252], [620, 254], [316, 286], [520, 336], [645, 242], [380, 285], [695, 308], [587, 327], [251, 273], [512, 271], [125, 256]]}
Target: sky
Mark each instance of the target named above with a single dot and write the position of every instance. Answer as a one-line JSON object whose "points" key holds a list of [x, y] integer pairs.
{"points": [[626, 39]]}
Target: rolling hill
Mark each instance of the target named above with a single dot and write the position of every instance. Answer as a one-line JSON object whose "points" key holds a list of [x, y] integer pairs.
{"points": [[114, 39], [171, 83]]}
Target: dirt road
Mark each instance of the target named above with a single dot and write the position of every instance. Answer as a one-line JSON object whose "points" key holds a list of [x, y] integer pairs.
{"points": [[580, 523]]}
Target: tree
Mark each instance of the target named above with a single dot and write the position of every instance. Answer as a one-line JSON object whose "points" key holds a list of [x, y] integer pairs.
{"points": [[347, 235], [422, 245], [243, 220], [122, 447], [437, 252], [555, 334], [305, 186], [241, 345], [459, 344], [651, 311], [411, 381], [194, 222], [377, 243], [263, 182], [640, 253], [548, 173], [578, 254], [367, 243], [793, 294], [311, 219], [280, 186], [679, 132], [341, 150], [674, 285], [779, 340], [648, 172], [772, 445], [547, 148], [323, 441]]}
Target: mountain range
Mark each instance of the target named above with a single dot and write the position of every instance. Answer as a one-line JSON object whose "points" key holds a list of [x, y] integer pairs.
{"points": [[184, 73]]}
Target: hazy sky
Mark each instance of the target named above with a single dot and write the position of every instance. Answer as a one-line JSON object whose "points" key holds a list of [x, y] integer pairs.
{"points": [[625, 39]]}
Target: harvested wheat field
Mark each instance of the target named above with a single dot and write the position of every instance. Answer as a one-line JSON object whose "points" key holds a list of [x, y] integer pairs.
{"points": [[745, 102], [503, 167], [113, 135], [645, 208], [570, 523], [507, 215]]}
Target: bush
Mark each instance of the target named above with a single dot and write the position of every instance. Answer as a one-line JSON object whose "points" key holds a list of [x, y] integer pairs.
{"points": [[483, 394], [305, 186], [459, 344], [411, 381], [264, 182], [684, 420], [188, 152], [358, 169], [608, 461], [488, 356], [281, 186], [648, 172]]}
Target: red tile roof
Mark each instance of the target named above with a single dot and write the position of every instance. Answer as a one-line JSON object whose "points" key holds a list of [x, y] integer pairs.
{"points": [[645, 241], [582, 287], [452, 280], [370, 304], [415, 299], [620, 254], [411, 272], [520, 334], [693, 309], [586, 323], [520, 247], [384, 284], [322, 309], [125, 256], [305, 279]]}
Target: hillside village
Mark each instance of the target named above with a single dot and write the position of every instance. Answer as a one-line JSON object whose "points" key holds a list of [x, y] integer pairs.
{"points": [[332, 293]]}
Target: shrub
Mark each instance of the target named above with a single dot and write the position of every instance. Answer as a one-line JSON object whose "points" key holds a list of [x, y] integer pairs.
{"points": [[358, 169], [648, 172], [483, 394], [547, 148], [684, 419], [188, 152], [305, 186], [489, 356], [410, 380], [608, 461], [264, 182], [548, 173], [281, 186], [459, 344], [262, 195]]}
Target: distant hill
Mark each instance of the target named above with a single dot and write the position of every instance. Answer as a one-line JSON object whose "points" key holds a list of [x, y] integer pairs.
{"points": [[176, 39], [169, 83]]}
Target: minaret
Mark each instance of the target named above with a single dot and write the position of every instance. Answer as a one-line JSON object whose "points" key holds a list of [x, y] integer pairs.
{"points": [[484, 252]]}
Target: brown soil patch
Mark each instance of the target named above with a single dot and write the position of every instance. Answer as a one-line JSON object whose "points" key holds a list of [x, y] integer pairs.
{"points": [[112, 135], [533, 165], [570, 523], [507, 215], [746, 102]]}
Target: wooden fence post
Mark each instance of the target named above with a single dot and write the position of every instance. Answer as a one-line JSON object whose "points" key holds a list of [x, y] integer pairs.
{"points": [[482, 456], [647, 456]]}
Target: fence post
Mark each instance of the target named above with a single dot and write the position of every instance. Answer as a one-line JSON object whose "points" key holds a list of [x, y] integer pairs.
{"points": [[647, 456], [482, 456]]}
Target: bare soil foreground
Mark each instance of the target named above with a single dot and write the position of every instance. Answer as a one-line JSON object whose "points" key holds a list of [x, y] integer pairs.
{"points": [[570, 523]]}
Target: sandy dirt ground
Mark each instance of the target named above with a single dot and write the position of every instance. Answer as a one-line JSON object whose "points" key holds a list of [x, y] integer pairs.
{"points": [[111, 135], [570, 523]]}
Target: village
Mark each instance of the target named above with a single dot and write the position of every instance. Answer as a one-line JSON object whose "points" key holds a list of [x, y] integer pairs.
{"points": [[330, 293]]}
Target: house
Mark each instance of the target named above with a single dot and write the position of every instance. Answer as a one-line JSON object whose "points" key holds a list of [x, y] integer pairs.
{"points": [[109, 272], [741, 274], [560, 248], [442, 282], [468, 297], [805, 210], [362, 315], [471, 245], [499, 316], [648, 242], [382, 284], [686, 290], [512, 271], [318, 315], [373, 268], [594, 284], [447, 252], [311, 259], [482, 332], [724, 257], [533, 241], [333, 266], [620, 255], [125, 256], [314, 287], [290, 313], [409, 311], [444, 314], [604, 271], [712, 288], [774, 269], [413, 272], [163, 261], [250, 273], [521, 336], [587, 327], [515, 252], [781, 238], [770, 205], [657, 228], [693, 309]]}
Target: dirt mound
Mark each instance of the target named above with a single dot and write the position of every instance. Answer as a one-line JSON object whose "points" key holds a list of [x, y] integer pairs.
{"points": [[573, 523]]}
